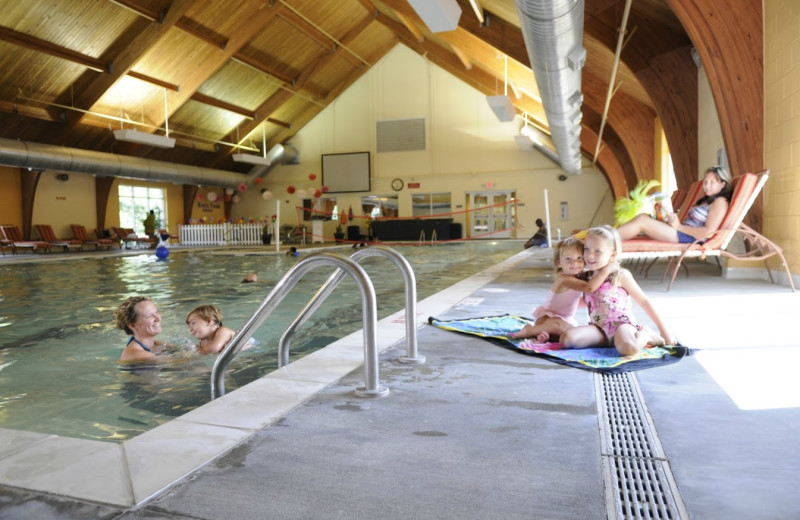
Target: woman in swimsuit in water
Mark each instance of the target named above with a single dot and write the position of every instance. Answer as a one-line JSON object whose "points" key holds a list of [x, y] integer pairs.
{"points": [[139, 317]]}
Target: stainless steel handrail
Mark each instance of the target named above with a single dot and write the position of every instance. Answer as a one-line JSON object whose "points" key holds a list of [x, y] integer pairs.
{"points": [[372, 386], [412, 354]]}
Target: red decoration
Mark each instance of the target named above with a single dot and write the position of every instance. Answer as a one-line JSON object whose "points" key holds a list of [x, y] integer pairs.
{"points": [[312, 176], [317, 193], [325, 189], [200, 196], [290, 189], [243, 187], [257, 180], [227, 198]]}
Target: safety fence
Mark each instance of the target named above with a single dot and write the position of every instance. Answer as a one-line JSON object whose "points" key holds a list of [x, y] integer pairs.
{"points": [[220, 234]]}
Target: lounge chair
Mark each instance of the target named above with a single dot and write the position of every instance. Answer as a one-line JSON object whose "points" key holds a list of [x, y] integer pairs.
{"points": [[758, 248], [13, 235], [46, 233], [81, 234], [126, 237]]}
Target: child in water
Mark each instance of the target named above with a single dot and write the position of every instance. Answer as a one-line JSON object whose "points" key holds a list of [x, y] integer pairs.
{"points": [[609, 306], [205, 324], [557, 314]]}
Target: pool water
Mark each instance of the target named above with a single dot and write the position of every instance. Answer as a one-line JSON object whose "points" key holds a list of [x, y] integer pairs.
{"points": [[59, 346]]}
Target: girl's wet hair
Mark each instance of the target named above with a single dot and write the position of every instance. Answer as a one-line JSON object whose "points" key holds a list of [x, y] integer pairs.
{"points": [[207, 313], [126, 312], [564, 246]]}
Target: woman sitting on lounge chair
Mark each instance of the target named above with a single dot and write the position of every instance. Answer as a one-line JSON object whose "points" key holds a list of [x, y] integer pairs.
{"points": [[703, 218]]}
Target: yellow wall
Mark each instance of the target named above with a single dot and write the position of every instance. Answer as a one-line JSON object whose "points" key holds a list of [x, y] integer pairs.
{"points": [[10, 200], [466, 147], [782, 127]]}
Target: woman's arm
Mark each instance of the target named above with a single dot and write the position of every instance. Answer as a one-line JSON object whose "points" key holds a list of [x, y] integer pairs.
{"points": [[716, 213], [636, 292]]}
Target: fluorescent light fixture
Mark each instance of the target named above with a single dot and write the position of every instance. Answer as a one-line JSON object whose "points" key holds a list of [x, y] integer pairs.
{"points": [[251, 159], [135, 136], [438, 15], [502, 107]]}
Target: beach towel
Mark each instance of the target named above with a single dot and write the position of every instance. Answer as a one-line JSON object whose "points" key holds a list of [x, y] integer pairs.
{"points": [[497, 328]]}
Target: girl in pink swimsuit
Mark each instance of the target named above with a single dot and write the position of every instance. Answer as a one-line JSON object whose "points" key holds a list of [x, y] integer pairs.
{"points": [[609, 305], [557, 313]]}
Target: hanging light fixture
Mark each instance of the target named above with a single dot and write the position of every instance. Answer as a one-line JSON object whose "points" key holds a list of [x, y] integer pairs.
{"points": [[502, 106], [255, 159], [135, 136]]}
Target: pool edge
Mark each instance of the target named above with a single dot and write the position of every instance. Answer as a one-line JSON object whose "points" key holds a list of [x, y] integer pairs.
{"points": [[132, 473]]}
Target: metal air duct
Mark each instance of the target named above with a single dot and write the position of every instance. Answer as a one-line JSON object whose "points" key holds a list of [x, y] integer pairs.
{"points": [[553, 33], [36, 156], [278, 154]]}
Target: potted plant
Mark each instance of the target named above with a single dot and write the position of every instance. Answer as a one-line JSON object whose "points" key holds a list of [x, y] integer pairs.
{"points": [[338, 235], [266, 234]]}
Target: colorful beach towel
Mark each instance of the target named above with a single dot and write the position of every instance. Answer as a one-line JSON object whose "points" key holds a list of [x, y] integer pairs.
{"points": [[497, 329]]}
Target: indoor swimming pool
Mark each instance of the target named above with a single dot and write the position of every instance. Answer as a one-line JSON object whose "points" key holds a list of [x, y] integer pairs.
{"points": [[59, 348]]}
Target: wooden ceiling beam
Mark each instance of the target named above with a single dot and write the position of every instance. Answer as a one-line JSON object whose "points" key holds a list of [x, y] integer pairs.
{"points": [[141, 10], [309, 30], [130, 53], [262, 67], [28, 111], [154, 81], [255, 22], [39, 45], [230, 107]]}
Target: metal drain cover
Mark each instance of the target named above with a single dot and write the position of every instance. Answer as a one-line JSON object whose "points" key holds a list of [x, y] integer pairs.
{"points": [[638, 480]]}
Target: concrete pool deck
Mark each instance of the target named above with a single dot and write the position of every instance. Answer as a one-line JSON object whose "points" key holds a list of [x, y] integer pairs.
{"points": [[476, 432]]}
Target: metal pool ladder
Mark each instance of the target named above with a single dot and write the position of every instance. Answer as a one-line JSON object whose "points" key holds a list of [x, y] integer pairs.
{"points": [[412, 354], [344, 266]]}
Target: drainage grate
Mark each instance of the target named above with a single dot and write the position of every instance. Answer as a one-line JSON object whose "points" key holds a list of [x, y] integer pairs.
{"points": [[638, 480]]}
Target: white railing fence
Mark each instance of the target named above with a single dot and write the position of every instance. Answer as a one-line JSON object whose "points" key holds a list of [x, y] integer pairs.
{"points": [[220, 234]]}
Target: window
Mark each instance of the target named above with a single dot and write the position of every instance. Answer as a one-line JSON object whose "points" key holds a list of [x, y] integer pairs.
{"points": [[135, 202], [376, 206], [427, 204]]}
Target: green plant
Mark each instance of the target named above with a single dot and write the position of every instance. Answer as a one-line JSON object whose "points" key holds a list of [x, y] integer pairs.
{"points": [[339, 229], [266, 230]]}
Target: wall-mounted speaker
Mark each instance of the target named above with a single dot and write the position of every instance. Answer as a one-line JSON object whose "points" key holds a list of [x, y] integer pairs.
{"points": [[562, 177], [63, 177]]}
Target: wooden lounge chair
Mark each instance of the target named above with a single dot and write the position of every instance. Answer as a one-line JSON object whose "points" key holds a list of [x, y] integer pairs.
{"points": [[13, 235], [124, 235], [80, 233], [758, 248], [46, 233]]}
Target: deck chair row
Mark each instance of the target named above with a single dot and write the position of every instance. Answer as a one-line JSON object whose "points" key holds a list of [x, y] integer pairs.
{"points": [[11, 237]]}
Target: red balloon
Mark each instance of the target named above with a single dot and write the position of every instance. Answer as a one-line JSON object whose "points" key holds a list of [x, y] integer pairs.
{"points": [[290, 189], [317, 193], [325, 189], [312, 176], [257, 180], [200, 196]]}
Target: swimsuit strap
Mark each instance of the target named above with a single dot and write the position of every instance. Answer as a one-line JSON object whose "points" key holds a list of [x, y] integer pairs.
{"points": [[139, 343]]}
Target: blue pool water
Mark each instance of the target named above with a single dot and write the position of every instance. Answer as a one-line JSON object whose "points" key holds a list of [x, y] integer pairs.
{"points": [[59, 346]]}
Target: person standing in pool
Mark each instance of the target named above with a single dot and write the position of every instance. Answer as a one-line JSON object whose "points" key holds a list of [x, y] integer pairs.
{"points": [[139, 317]]}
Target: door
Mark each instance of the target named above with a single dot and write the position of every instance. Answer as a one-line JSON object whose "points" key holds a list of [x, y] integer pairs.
{"points": [[491, 214]]}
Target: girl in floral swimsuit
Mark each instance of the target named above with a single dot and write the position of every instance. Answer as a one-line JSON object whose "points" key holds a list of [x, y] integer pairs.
{"points": [[557, 313], [609, 306]]}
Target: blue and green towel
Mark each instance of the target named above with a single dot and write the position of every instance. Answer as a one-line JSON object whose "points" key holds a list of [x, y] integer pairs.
{"points": [[497, 329]]}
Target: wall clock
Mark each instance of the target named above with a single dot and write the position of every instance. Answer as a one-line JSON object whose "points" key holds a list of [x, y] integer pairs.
{"points": [[397, 184]]}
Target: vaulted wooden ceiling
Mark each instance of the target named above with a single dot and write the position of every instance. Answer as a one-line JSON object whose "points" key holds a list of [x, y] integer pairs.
{"points": [[220, 73]]}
